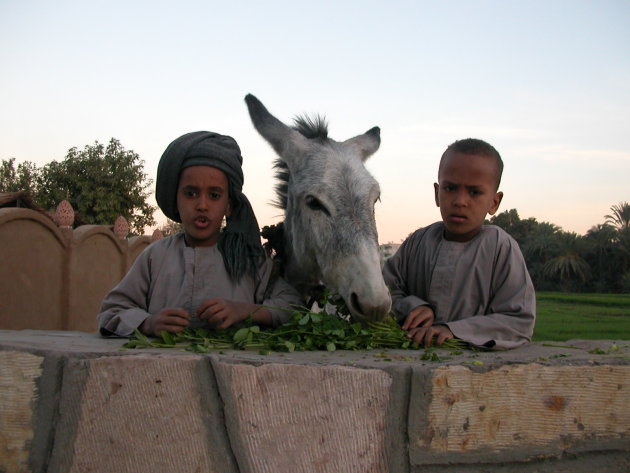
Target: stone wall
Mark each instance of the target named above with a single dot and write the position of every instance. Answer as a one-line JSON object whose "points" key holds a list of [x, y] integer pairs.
{"points": [[53, 277], [75, 402]]}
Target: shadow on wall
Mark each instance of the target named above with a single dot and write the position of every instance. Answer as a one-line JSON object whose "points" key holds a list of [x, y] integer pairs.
{"points": [[54, 277]]}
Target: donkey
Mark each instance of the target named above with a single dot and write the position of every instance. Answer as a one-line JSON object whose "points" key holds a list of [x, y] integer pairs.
{"points": [[328, 199]]}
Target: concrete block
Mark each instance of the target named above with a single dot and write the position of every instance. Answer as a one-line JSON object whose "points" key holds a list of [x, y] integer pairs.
{"points": [[140, 413], [305, 419], [517, 412], [19, 373]]}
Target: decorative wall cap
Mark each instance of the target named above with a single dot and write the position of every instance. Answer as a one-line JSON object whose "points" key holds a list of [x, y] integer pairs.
{"points": [[121, 227], [64, 214]]}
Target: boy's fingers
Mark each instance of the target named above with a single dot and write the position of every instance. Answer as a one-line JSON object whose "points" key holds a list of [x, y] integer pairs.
{"points": [[225, 324], [176, 312], [442, 337], [445, 334], [428, 337], [210, 312], [420, 316], [427, 320], [410, 322], [418, 335], [209, 306], [218, 319], [174, 328], [177, 320]]}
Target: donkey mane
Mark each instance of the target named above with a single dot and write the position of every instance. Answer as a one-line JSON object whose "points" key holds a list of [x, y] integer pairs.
{"points": [[313, 128], [282, 187]]}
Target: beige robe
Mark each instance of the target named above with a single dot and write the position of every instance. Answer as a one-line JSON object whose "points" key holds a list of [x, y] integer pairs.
{"points": [[170, 274], [480, 289]]}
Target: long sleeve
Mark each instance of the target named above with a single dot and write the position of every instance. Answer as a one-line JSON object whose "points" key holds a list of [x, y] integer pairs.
{"points": [[125, 307], [162, 276], [400, 273]]}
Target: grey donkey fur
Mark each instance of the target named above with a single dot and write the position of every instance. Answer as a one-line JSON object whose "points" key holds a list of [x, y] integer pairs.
{"points": [[328, 197]]}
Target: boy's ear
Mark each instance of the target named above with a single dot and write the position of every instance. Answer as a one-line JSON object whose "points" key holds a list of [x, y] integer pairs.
{"points": [[496, 201], [436, 188]]}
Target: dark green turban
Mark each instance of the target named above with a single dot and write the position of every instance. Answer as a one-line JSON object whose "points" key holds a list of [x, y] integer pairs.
{"points": [[239, 241]]}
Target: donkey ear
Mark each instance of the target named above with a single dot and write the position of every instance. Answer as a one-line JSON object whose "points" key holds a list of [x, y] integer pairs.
{"points": [[287, 142], [367, 143]]}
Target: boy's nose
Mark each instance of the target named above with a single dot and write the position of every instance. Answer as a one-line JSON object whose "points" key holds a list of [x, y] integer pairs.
{"points": [[202, 202], [461, 199]]}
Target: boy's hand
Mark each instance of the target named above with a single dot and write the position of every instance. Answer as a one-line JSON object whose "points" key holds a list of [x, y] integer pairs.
{"points": [[171, 319], [221, 313], [420, 328], [421, 316], [426, 335]]}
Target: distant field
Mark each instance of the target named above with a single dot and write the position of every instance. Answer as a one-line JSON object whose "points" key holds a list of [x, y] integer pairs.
{"points": [[563, 316]]}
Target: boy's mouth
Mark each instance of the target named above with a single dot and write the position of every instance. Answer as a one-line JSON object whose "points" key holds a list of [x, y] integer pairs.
{"points": [[457, 218], [201, 222]]}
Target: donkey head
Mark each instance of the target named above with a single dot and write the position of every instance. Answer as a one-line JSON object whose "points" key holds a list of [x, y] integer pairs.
{"points": [[328, 197]]}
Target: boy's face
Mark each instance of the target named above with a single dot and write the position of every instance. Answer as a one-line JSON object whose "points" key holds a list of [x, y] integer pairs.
{"points": [[202, 202], [466, 193]]}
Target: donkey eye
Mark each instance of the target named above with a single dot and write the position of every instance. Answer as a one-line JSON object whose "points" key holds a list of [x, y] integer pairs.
{"points": [[314, 204]]}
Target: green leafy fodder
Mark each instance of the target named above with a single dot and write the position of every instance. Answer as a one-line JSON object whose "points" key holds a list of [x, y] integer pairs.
{"points": [[305, 331]]}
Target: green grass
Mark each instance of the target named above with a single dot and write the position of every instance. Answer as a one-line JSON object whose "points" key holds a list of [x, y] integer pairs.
{"points": [[564, 316]]}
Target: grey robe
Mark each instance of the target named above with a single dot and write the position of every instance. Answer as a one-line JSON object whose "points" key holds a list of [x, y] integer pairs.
{"points": [[170, 274], [480, 289]]}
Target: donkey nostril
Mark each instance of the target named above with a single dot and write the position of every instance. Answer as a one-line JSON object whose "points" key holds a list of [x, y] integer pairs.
{"points": [[368, 311], [355, 302]]}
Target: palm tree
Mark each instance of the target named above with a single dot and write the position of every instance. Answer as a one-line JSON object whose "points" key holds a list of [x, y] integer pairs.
{"points": [[602, 254], [568, 266], [620, 217], [543, 242]]}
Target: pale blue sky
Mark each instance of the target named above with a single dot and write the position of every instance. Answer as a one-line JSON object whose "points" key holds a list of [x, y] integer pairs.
{"points": [[546, 82]]}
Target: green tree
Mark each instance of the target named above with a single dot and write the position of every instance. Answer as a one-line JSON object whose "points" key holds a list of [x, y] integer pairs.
{"points": [[603, 257], [24, 177], [568, 267], [100, 182], [521, 230]]}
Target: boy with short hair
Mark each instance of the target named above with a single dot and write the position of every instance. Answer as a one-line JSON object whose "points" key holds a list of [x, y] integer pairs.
{"points": [[206, 276], [458, 278]]}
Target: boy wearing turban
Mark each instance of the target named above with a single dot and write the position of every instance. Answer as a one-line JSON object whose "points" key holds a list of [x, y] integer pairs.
{"points": [[206, 276]]}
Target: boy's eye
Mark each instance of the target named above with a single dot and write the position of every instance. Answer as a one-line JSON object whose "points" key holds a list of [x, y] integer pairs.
{"points": [[190, 193], [215, 195]]}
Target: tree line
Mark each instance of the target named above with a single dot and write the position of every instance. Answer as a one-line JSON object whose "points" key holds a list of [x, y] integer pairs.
{"points": [[102, 182], [565, 261]]}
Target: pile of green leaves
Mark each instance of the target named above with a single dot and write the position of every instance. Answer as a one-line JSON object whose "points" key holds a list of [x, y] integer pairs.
{"points": [[331, 330], [303, 332]]}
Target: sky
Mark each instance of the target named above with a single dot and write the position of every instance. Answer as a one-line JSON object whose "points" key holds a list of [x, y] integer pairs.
{"points": [[546, 82]]}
